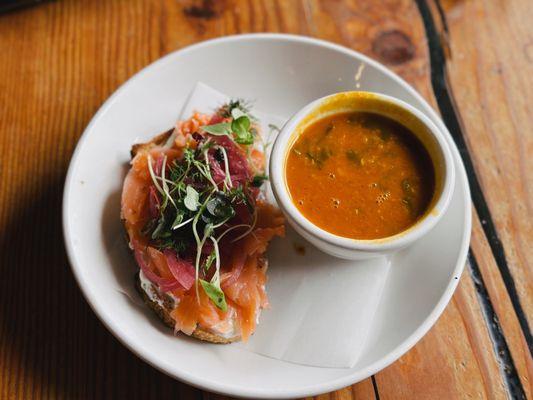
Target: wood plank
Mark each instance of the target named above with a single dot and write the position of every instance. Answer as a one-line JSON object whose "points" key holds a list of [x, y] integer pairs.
{"points": [[461, 39], [453, 361], [501, 301], [490, 72], [62, 60]]}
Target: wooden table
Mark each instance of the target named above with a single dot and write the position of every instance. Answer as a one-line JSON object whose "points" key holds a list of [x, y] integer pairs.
{"points": [[472, 59]]}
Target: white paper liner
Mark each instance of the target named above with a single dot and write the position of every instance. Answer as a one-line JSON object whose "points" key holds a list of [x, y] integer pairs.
{"points": [[322, 307]]}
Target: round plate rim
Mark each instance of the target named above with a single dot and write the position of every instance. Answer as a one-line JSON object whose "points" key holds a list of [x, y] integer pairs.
{"points": [[228, 389]]}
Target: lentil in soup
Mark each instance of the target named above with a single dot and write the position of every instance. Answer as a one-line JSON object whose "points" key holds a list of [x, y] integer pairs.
{"points": [[360, 175]]}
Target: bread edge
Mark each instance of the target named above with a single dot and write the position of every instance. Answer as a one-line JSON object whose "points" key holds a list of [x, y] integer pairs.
{"points": [[155, 141], [164, 314]]}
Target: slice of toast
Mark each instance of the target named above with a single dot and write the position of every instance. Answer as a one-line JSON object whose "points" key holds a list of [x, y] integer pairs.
{"points": [[161, 303]]}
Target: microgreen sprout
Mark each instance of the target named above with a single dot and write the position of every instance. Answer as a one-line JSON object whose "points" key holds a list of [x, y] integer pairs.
{"points": [[199, 242], [153, 176], [167, 196], [208, 170], [250, 229], [232, 229], [191, 199], [239, 129], [227, 178]]}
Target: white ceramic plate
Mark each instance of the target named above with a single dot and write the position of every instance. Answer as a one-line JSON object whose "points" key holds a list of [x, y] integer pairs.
{"points": [[283, 73]]}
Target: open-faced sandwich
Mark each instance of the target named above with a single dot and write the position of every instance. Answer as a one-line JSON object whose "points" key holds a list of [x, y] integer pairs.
{"points": [[199, 226]]}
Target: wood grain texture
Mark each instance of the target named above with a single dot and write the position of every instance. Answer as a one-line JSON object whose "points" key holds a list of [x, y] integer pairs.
{"points": [[486, 75], [491, 75], [500, 299], [61, 60]]}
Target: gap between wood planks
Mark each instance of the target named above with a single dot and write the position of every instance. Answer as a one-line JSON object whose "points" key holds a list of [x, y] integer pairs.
{"points": [[375, 386], [444, 101]]}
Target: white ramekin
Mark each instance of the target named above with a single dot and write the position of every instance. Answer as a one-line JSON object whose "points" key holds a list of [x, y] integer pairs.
{"points": [[430, 136]]}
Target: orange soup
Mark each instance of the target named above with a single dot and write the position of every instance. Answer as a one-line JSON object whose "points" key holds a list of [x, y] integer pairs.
{"points": [[360, 175]]}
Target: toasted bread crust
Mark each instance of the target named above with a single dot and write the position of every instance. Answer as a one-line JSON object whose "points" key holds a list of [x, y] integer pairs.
{"points": [[156, 141], [163, 311]]}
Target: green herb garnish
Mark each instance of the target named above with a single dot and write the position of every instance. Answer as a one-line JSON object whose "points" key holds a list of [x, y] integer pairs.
{"points": [[215, 294], [159, 229], [218, 208], [221, 129], [193, 208], [353, 156], [258, 180], [226, 110], [239, 129], [209, 260], [318, 157], [191, 199]]}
